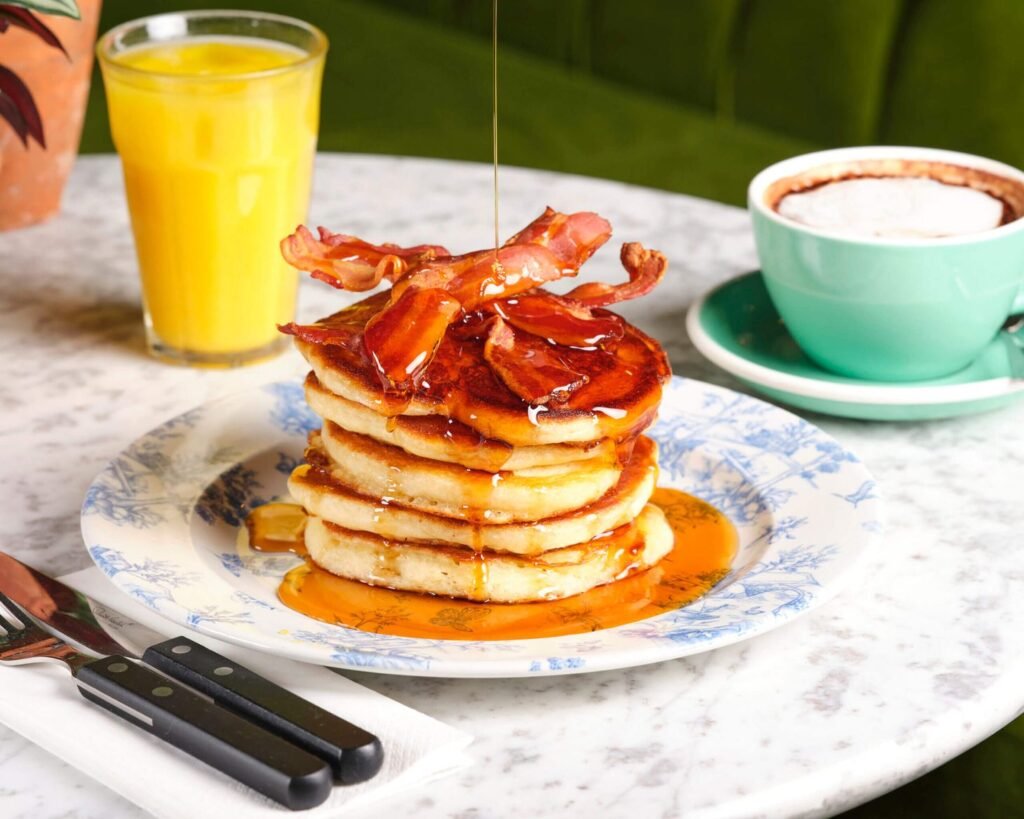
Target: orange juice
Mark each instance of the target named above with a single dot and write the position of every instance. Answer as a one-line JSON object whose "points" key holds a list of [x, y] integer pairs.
{"points": [[217, 137]]}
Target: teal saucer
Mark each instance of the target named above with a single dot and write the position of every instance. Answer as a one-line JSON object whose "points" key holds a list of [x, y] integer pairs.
{"points": [[736, 327]]}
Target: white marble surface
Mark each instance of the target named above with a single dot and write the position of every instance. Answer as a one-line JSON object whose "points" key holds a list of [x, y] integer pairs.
{"points": [[921, 658]]}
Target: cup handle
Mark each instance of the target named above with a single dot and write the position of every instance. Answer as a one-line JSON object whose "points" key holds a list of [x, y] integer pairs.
{"points": [[1013, 333], [1018, 303]]}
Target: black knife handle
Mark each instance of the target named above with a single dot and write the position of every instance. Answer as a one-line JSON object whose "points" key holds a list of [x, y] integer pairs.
{"points": [[198, 727], [354, 755]]}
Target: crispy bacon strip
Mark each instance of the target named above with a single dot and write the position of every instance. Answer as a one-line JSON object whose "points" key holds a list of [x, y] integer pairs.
{"points": [[529, 366], [402, 339], [551, 247], [321, 334], [349, 263], [431, 289], [559, 320], [344, 329], [645, 268], [574, 237], [488, 274]]}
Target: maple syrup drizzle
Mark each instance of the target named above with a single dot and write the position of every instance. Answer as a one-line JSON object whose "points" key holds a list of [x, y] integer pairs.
{"points": [[494, 116], [387, 562], [705, 541], [458, 382], [705, 544]]}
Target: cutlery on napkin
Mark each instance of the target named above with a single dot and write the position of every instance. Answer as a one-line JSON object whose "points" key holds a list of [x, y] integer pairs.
{"points": [[354, 755], [40, 705]]}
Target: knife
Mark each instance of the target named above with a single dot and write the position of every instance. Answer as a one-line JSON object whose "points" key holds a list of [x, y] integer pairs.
{"points": [[176, 714], [353, 754]]}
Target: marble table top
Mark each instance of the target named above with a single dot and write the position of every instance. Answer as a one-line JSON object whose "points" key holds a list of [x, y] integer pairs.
{"points": [[920, 658]]}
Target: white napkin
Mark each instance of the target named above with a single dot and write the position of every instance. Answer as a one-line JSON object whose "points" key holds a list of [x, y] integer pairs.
{"points": [[42, 703]]}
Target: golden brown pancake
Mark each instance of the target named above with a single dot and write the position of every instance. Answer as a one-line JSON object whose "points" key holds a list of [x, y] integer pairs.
{"points": [[335, 502], [495, 577], [445, 439], [619, 399], [390, 473], [482, 437]]}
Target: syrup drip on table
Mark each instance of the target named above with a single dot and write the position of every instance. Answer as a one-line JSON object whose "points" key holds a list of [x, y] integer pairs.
{"points": [[705, 544]]}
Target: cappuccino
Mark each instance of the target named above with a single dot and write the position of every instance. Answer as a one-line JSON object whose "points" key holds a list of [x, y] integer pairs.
{"points": [[916, 270], [898, 199]]}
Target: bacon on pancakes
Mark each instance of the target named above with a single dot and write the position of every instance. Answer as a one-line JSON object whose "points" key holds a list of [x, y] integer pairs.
{"points": [[492, 294]]}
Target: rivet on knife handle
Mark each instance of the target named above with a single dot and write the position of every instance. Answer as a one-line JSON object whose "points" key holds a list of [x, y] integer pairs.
{"points": [[216, 736], [354, 755]]}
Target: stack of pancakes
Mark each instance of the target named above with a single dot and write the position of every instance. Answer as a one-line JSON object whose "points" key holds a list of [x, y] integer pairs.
{"points": [[463, 490]]}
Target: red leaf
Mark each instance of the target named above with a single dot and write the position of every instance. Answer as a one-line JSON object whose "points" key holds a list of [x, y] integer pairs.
{"points": [[17, 92], [23, 18], [9, 111]]}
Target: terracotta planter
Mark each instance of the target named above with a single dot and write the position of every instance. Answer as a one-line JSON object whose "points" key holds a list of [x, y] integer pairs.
{"points": [[32, 179]]}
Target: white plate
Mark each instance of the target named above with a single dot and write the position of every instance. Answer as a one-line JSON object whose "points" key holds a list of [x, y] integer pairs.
{"points": [[163, 519]]}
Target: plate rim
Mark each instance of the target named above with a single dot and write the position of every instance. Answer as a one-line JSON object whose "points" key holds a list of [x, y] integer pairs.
{"points": [[608, 658]]}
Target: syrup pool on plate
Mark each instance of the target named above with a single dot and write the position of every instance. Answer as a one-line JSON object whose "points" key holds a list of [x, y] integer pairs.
{"points": [[705, 544]]}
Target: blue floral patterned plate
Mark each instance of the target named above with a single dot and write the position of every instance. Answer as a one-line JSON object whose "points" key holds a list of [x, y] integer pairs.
{"points": [[164, 522]]}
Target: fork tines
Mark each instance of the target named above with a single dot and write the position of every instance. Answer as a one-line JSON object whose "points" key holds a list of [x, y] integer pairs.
{"points": [[22, 638]]}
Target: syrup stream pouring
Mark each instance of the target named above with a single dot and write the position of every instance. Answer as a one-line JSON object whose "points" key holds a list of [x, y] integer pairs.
{"points": [[353, 754]]}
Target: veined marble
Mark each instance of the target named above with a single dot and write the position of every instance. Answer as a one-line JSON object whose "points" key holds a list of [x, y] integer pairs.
{"points": [[922, 656]]}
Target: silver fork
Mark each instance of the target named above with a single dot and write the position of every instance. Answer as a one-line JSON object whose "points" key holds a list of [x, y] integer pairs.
{"points": [[22, 641], [175, 714]]}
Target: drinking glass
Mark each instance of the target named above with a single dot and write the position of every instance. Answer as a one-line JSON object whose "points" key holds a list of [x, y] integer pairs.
{"points": [[215, 117]]}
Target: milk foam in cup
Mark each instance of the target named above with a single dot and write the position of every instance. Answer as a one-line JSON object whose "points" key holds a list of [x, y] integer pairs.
{"points": [[894, 206]]}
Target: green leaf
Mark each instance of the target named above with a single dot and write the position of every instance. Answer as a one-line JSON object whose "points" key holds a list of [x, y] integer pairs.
{"points": [[64, 8]]}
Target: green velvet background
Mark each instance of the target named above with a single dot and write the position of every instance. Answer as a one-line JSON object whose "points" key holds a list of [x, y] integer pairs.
{"points": [[688, 95]]}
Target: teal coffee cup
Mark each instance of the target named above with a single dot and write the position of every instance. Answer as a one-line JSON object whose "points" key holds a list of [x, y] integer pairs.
{"points": [[885, 307]]}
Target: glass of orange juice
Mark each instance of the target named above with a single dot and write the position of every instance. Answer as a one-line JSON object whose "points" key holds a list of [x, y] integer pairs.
{"points": [[214, 115]]}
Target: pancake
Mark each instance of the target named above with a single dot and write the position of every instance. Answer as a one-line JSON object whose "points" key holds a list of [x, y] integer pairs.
{"points": [[327, 498], [500, 578], [387, 472], [482, 436], [618, 400], [445, 439]]}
